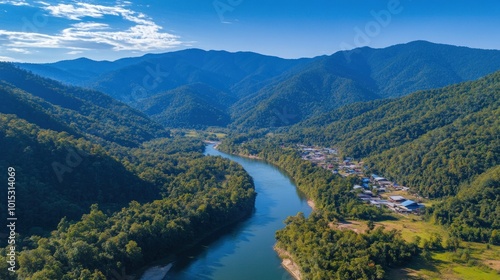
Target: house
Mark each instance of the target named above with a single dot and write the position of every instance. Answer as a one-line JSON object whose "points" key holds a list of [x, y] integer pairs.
{"points": [[384, 183], [397, 198], [411, 206], [357, 187]]}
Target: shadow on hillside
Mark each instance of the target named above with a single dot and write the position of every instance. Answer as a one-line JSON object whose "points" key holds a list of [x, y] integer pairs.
{"points": [[411, 270]]}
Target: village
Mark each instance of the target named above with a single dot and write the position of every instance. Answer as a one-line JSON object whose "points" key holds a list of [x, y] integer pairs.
{"points": [[374, 189]]}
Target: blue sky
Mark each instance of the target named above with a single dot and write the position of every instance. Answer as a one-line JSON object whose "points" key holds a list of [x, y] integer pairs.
{"points": [[45, 31]]}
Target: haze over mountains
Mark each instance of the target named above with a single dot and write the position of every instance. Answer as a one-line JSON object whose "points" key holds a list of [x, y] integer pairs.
{"points": [[251, 90]]}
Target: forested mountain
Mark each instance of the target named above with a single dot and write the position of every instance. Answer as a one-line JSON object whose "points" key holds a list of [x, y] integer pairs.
{"points": [[77, 72], [60, 137], [77, 111], [431, 140], [130, 79], [73, 149], [361, 75], [274, 92], [60, 175], [442, 143], [194, 105]]}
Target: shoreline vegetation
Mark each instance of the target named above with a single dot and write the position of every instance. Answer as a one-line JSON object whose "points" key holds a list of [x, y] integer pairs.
{"points": [[216, 146], [220, 194], [318, 191], [169, 260], [287, 260], [421, 259]]}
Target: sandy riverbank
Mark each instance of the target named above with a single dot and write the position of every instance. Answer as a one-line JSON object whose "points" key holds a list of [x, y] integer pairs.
{"points": [[288, 263], [311, 204], [156, 273]]}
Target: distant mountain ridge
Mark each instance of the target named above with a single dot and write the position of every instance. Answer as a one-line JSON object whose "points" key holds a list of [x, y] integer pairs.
{"points": [[364, 74], [271, 91]]}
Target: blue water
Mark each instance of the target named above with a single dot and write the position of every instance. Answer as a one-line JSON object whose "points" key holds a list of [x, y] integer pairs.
{"points": [[245, 251]]}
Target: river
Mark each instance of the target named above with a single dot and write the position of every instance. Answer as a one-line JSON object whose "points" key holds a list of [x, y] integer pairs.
{"points": [[244, 251]]}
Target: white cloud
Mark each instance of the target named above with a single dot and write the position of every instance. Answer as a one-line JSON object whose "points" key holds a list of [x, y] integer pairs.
{"points": [[90, 26], [74, 52], [144, 34], [19, 50], [15, 3], [6, 58]]}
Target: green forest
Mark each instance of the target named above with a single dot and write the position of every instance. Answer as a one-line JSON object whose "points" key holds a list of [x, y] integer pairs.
{"points": [[441, 143], [105, 187], [99, 199]]}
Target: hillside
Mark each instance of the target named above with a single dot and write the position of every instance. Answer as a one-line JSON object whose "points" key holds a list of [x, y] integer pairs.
{"points": [[433, 140], [192, 106], [85, 165], [363, 74], [474, 213], [78, 111], [60, 175]]}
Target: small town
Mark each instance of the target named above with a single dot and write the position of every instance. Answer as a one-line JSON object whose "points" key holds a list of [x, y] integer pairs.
{"points": [[374, 189]]}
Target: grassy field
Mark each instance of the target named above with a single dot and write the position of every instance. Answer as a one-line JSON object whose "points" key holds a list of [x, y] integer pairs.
{"points": [[484, 261], [198, 133]]}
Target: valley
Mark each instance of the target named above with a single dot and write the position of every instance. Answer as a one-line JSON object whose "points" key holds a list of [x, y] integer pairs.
{"points": [[397, 149]]}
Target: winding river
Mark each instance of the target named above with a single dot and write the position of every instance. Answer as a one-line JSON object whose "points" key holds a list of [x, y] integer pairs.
{"points": [[245, 251]]}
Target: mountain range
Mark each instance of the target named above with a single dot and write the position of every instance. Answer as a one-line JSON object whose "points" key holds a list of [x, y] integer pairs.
{"points": [[263, 91]]}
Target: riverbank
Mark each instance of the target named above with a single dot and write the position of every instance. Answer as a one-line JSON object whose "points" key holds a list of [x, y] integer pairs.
{"points": [[287, 259], [288, 263], [216, 146], [311, 204], [168, 260]]}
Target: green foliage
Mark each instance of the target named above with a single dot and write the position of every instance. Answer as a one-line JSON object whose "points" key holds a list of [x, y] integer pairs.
{"points": [[432, 141], [325, 253], [365, 74], [209, 192], [77, 111], [474, 214], [86, 174], [331, 193], [191, 106], [170, 195], [321, 251]]}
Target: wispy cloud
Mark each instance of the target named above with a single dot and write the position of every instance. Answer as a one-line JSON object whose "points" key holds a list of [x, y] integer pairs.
{"points": [[86, 32], [74, 52], [6, 58], [19, 50], [15, 3]]}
